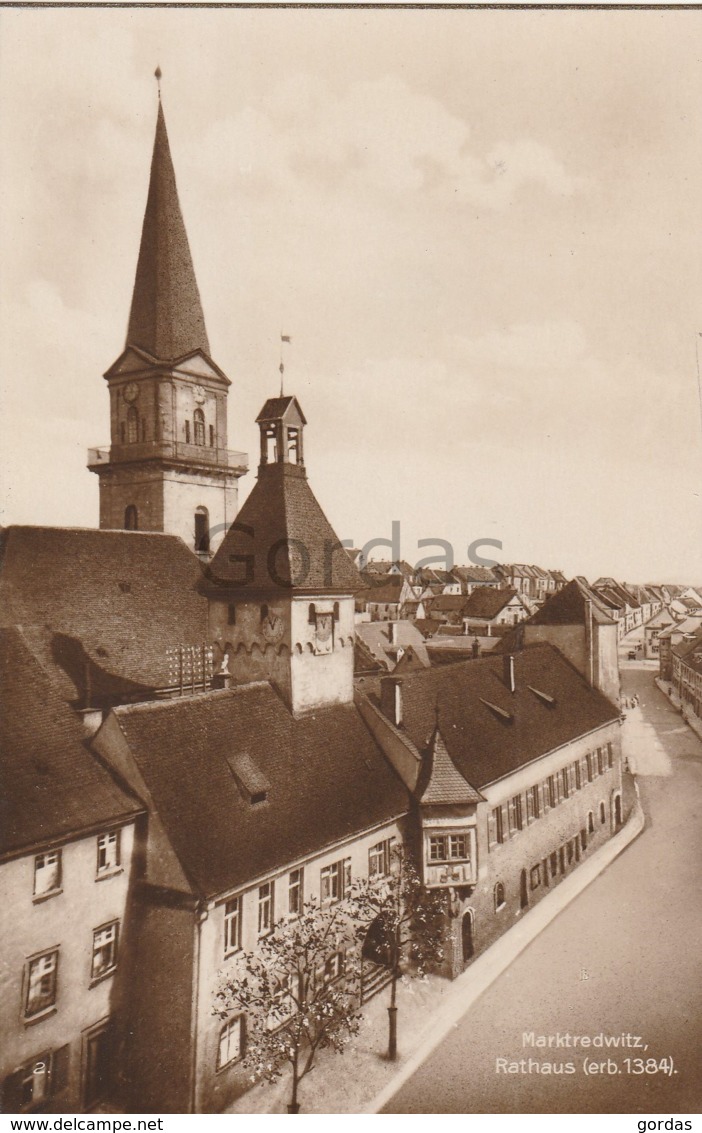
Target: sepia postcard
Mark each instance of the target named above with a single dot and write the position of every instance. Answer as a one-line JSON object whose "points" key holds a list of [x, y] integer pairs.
{"points": [[350, 562]]}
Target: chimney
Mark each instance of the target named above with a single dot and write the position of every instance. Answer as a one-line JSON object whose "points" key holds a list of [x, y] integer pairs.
{"points": [[392, 632], [476, 647], [508, 671], [391, 699]]}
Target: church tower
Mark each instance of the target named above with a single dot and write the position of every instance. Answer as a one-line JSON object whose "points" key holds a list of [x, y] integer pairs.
{"points": [[168, 467], [281, 586]]}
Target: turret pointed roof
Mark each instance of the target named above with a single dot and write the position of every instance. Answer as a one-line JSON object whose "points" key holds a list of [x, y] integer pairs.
{"points": [[282, 541], [440, 783], [166, 318]]}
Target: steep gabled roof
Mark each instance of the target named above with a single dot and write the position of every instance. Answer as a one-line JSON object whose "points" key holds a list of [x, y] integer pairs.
{"points": [[326, 779], [166, 318], [487, 602], [440, 783], [569, 607], [282, 541], [52, 785]]}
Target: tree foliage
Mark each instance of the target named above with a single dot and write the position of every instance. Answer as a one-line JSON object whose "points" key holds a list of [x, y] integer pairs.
{"points": [[299, 992]]}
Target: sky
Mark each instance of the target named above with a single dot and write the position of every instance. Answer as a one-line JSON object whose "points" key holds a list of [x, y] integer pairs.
{"points": [[480, 229]]}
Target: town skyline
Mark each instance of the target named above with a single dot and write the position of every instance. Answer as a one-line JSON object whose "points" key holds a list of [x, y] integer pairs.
{"points": [[491, 292]]}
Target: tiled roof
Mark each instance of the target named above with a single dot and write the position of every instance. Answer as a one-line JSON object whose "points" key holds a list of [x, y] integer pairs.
{"points": [[691, 652], [474, 574], [115, 599], [568, 607], [52, 786], [328, 780], [389, 591], [440, 782], [277, 407], [376, 637], [291, 545], [448, 604], [485, 746], [166, 318], [486, 602]]}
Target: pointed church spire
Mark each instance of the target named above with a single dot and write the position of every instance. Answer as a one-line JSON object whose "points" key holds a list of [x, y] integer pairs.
{"points": [[166, 318]]}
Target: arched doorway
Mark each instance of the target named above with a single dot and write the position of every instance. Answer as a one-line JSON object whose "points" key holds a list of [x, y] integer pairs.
{"points": [[376, 960], [523, 890], [467, 936], [617, 811]]}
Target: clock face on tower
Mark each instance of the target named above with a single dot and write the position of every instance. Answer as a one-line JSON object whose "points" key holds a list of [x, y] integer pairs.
{"points": [[272, 627]]}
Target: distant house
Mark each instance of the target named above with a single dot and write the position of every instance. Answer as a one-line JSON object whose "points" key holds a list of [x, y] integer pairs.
{"points": [[447, 609], [447, 647], [660, 621], [486, 608], [470, 577], [388, 642], [687, 672], [381, 602], [669, 638]]}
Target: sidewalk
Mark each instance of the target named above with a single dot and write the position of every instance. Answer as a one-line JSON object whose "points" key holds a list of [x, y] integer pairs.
{"points": [[362, 1080], [693, 721]]}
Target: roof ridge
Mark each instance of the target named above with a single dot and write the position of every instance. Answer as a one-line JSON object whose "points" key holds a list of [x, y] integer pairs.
{"points": [[169, 702]]}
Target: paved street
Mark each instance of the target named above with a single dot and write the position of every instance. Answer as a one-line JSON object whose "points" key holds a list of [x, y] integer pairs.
{"points": [[636, 931]]}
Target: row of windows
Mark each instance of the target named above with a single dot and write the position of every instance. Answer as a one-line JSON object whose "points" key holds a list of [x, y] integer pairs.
{"points": [[506, 820], [48, 866], [133, 429], [41, 976], [334, 885], [557, 861]]}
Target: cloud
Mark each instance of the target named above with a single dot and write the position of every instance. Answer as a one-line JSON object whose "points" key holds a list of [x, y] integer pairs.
{"points": [[376, 137]]}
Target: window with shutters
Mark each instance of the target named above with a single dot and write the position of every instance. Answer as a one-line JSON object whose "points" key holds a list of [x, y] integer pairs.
{"points": [[231, 1042], [232, 926], [379, 859], [610, 756], [199, 427], [335, 881], [600, 761], [514, 814], [295, 892], [47, 874], [265, 908], [565, 782], [552, 791], [41, 984], [105, 941], [590, 767], [577, 776]]}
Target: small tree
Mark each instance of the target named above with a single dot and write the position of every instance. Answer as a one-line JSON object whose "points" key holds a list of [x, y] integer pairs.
{"points": [[299, 992], [407, 920]]}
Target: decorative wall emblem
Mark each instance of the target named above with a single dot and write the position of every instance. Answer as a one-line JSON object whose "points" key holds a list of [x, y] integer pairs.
{"points": [[131, 392], [272, 627], [199, 394]]}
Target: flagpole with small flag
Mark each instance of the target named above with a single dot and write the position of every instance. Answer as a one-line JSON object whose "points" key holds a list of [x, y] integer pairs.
{"points": [[283, 338]]}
